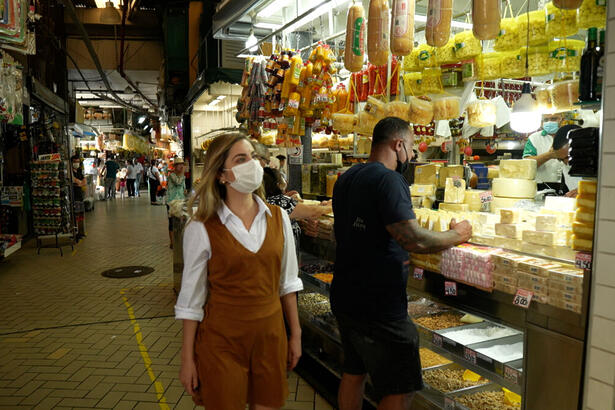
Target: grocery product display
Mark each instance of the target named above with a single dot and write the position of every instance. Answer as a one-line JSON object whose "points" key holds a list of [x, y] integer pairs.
{"points": [[447, 380]]}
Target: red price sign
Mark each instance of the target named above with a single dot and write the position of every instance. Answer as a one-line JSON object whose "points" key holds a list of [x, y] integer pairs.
{"points": [[486, 196], [583, 260], [418, 273], [450, 288], [437, 340], [469, 355], [523, 298]]}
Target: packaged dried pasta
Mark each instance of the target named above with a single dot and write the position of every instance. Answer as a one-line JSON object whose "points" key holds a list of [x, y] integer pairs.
{"points": [[564, 94], [399, 109], [560, 22], [413, 83], [446, 54], [538, 60], [365, 123], [508, 38], [421, 111], [513, 63], [344, 123], [481, 113], [489, 66], [375, 107], [466, 45], [411, 61], [426, 56], [446, 108], [537, 27], [591, 14], [565, 55], [432, 80]]}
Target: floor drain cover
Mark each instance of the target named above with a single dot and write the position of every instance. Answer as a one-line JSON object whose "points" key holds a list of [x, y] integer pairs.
{"points": [[128, 272]]}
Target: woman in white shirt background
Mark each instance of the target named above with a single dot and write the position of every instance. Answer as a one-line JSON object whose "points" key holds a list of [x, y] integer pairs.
{"points": [[240, 277]]}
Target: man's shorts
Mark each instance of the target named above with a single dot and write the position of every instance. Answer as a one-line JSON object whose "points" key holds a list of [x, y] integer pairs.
{"points": [[388, 351]]}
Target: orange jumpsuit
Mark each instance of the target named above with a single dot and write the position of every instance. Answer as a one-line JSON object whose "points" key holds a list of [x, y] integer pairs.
{"points": [[241, 345]]}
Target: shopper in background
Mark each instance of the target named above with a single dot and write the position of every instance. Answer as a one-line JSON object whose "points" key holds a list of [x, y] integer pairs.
{"points": [[239, 256], [282, 159], [138, 177], [176, 191], [153, 177], [539, 146], [79, 181], [560, 143], [110, 172], [375, 228], [131, 176]]}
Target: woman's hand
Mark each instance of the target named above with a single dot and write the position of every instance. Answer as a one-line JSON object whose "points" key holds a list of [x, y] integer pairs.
{"points": [[571, 194], [188, 376], [294, 350]]}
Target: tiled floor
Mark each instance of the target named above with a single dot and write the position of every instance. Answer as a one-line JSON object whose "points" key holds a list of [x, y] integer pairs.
{"points": [[70, 338]]}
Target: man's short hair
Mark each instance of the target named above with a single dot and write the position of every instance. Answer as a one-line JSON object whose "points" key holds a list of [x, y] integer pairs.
{"points": [[561, 136], [390, 128], [281, 157]]}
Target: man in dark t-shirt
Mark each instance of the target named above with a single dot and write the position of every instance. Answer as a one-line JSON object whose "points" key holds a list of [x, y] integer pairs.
{"points": [[375, 228]]}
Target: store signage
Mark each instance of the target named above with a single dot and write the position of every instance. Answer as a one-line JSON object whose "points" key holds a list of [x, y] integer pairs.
{"points": [[49, 157], [418, 273], [450, 288], [469, 355], [295, 155], [583, 260], [485, 197], [11, 196], [437, 340], [523, 298], [511, 374]]}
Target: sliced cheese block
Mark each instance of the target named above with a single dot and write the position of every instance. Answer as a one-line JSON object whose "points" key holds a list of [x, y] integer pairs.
{"points": [[427, 202], [518, 168], [580, 244], [442, 224], [449, 172], [555, 284], [493, 172], [514, 188], [454, 192], [540, 237], [423, 190], [472, 198], [563, 218], [547, 223], [530, 278], [454, 207], [584, 215], [510, 215], [587, 187], [509, 230], [586, 201], [426, 174], [583, 230]]}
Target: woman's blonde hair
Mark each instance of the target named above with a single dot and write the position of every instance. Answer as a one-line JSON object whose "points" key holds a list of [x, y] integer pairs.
{"points": [[210, 193]]}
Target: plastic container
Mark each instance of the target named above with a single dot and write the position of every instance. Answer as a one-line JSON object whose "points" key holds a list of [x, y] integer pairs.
{"points": [[508, 38], [446, 54], [432, 82], [344, 123], [560, 22], [489, 66], [426, 56], [365, 123], [411, 62], [564, 94], [513, 63], [537, 25], [543, 99], [399, 109], [466, 45], [567, 4], [565, 55], [481, 113], [446, 108], [591, 14], [538, 60], [421, 111]]}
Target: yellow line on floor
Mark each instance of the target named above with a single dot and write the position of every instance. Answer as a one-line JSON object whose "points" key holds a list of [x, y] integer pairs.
{"points": [[147, 361]]}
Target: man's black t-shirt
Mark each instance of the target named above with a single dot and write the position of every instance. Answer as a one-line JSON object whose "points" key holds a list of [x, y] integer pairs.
{"points": [[371, 268]]}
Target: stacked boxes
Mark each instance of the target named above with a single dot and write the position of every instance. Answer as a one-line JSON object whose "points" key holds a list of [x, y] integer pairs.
{"points": [[566, 288], [470, 264]]}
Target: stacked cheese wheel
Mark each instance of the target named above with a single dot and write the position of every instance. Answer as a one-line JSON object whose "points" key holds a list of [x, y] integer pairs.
{"points": [[583, 226], [516, 182]]}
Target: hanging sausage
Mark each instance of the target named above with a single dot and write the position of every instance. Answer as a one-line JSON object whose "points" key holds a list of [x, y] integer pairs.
{"points": [[402, 27], [486, 19], [438, 28], [378, 32], [355, 39]]}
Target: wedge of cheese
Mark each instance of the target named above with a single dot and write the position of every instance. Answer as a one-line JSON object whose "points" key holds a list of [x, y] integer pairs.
{"points": [[511, 230], [587, 187], [518, 168], [582, 230], [423, 190], [472, 198], [540, 237], [449, 172], [514, 188], [426, 174], [454, 192]]}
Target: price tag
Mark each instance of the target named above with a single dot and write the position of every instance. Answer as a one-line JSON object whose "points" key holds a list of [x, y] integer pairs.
{"points": [[450, 288], [469, 355], [437, 339], [511, 374], [418, 273], [485, 197], [449, 404], [583, 260], [523, 298]]}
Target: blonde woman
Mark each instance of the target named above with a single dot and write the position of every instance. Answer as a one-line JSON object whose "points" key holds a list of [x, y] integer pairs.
{"points": [[240, 264]]}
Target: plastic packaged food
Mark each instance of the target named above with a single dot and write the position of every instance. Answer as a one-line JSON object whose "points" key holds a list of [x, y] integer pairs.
{"points": [[355, 39], [481, 113], [565, 55], [446, 108], [452, 75], [365, 123], [564, 94], [432, 82], [375, 107], [421, 111], [438, 27], [402, 27], [485, 19], [413, 83], [508, 38], [446, 54], [399, 109], [426, 56], [538, 60], [466, 45], [344, 123], [567, 4], [489, 66], [410, 62], [543, 99], [513, 64], [378, 32], [560, 22], [537, 26], [591, 14]]}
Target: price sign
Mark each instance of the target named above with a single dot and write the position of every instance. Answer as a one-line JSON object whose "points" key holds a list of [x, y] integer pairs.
{"points": [[469, 355], [511, 374], [418, 273], [583, 260], [449, 404], [485, 197], [450, 288], [437, 340], [523, 298]]}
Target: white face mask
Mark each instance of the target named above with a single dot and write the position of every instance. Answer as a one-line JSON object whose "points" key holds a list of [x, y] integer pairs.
{"points": [[248, 176]]}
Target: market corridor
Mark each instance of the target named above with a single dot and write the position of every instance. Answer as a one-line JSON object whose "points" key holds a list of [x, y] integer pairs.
{"points": [[71, 338]]}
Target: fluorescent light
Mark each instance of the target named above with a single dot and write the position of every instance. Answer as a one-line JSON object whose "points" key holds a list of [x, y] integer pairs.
{"points": [[273, 7], [141, 119], [267, 26], [101, 3]]}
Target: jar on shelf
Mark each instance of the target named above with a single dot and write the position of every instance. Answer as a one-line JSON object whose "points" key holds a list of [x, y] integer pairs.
{"points": [[466, 45], [591, 14], [537, 60], [560, 22], [508, 38], [432, 82], [565, 55], [489, 66], [513, 63], [537, 27]]}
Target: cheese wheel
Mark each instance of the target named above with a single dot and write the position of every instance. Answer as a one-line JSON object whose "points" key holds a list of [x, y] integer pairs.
{"points": [[402, 27], [486, 19], [378, 32], [518, 168], [438, 28], [514, 188], [354, 52]]}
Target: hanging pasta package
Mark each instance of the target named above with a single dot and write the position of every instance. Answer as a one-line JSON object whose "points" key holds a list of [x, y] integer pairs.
{"points": [[378, 32], [536, 22], [486, 19], [446, 53], [508, 38], [399, 109], [438, 27], [413, 83], [355, 39], [421, 111], [402, 27], [446, 108], [513, 63], [543, 99], [489, 66], [432, 80], [466, 45], [592, 13], [411, 61], [426, 56], [560, 22], [344, 123]]}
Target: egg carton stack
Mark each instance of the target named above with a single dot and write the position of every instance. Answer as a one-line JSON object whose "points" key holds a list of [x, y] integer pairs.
{"points": [[470, 264]]}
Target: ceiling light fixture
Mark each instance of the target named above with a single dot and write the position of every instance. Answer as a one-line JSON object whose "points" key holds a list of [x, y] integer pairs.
{"points": [[141, 119], [251, 41]]}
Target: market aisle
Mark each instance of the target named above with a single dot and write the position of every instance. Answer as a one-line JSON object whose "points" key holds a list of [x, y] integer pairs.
{"points": [[72, 338]]}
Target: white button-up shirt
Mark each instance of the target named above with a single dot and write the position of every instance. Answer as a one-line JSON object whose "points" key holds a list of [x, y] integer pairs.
{"points": [[197, 251]]}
